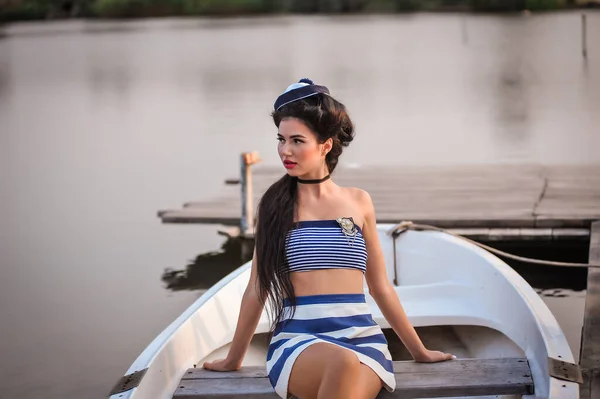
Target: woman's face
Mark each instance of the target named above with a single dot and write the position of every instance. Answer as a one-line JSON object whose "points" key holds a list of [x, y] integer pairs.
{"points": [[299, 149]]}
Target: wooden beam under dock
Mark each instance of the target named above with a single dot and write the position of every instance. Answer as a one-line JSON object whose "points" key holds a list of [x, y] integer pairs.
{"points": [[590, 333]]}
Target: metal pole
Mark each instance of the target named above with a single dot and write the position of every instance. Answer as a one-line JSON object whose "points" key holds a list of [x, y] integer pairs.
{"points": [[584, 35]]}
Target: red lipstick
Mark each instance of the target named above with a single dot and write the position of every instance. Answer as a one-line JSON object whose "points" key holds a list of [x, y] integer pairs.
{"points": [[289, 164]]}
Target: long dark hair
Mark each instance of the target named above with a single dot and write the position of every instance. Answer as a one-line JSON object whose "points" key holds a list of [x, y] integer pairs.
{"points": [[327, 118]]}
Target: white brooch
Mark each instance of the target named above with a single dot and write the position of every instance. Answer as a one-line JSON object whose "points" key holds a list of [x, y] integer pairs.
{"points": [[348, 228]]}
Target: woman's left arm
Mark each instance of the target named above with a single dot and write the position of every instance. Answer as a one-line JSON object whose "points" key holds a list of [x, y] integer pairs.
{"points": [[384, 293]]}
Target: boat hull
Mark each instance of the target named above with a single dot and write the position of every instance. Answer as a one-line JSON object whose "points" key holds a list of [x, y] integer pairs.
{"points": [[460, 298]]}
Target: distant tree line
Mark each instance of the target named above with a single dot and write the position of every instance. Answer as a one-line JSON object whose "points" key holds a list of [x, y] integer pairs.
{"points": [[11, 10]]}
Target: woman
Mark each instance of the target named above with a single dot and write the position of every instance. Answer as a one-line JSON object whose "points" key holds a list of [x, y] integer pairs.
{"points": [[315, 241]]}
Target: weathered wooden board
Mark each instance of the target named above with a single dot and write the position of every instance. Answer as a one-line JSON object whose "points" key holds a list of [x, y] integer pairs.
{"points": [[460, 196], [464, 377]]}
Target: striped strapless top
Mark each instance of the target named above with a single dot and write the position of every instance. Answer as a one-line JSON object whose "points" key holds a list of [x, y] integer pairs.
{"points": [[322, 244]]}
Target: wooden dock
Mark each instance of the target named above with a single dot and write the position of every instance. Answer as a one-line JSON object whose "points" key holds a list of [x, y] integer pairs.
{"points": [[590, 333], [488, 201], [488, 196]]}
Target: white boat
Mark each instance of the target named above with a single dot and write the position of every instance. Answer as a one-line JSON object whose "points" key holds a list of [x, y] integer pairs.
{"points": [[459, 297]]}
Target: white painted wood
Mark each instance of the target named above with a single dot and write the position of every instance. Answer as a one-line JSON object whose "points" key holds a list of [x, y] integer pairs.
{"points": [[442, 281], [446, 281]]}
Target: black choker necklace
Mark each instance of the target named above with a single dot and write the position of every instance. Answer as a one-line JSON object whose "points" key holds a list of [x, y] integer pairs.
{"points": [[314, 181]]}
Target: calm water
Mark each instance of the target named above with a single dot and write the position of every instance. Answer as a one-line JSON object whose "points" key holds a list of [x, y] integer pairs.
{"points": [[104, 123]]}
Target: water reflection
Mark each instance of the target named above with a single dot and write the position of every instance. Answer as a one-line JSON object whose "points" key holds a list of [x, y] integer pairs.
{"points": [[511, 85], [68, 28], [115, 80], [208, 268], [242, 80], [5, 79], [512, 102]]}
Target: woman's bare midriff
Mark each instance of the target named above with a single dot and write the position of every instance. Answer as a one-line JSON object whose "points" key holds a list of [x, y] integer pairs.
{"points": [[327, 281]]}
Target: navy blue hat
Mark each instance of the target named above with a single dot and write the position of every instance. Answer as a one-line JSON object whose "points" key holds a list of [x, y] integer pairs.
{"points": [[296, 91]]}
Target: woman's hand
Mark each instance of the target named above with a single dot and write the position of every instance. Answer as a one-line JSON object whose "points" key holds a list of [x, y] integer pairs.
{"points": [[222, 365], [433, 356]]}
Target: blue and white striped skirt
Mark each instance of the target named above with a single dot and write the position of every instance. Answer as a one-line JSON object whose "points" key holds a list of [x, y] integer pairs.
{"points": [[341, 319]]}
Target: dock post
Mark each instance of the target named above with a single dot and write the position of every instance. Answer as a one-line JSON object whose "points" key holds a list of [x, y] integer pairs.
{"points": [[589, 358], [584, 35], [463, 29], [247, 159]]}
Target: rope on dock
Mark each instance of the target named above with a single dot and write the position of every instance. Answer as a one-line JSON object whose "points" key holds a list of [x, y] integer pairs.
{"points": [[408, 225]]}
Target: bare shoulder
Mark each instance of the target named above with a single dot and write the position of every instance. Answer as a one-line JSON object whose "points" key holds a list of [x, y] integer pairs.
{"points": [[359, 195], [362, 199]]}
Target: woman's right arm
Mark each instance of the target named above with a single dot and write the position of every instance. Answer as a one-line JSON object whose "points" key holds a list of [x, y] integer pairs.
{"points": [[250, 312]]}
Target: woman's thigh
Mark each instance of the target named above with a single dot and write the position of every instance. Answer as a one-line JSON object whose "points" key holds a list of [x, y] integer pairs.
{"points": [[368, 383], [314, 362]]}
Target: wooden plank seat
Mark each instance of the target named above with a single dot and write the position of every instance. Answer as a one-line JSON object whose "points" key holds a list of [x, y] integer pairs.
{"points": [[461, 377]]}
